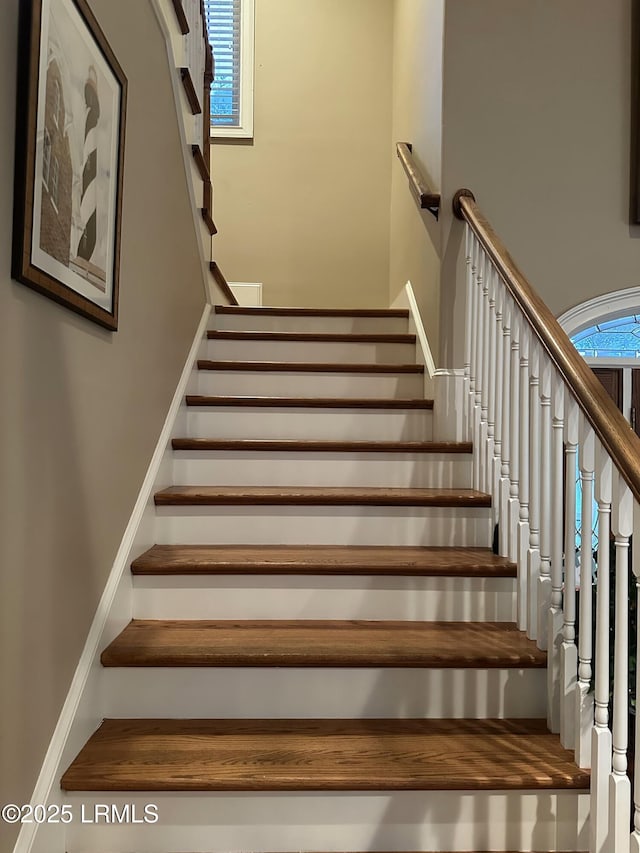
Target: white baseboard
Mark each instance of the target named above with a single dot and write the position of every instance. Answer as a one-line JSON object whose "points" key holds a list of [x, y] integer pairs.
{"points": [[175, 42], [448, 405], [248, 293], [406, 299], [81, 713]]}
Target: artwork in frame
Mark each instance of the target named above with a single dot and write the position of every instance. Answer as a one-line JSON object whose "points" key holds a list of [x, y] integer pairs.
{"points": [[70, 125]]}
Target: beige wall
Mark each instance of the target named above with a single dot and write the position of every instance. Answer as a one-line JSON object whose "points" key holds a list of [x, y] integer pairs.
{"points": [[417, 118], [537, 123], [82, 408], [305, 209]]}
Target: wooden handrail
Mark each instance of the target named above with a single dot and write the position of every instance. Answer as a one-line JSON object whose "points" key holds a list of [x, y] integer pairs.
{"points": [[426, 198], [610, 426]]}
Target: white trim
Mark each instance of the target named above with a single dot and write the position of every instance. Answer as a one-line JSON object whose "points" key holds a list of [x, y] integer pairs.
{"points": [[174, 42], [406, 299], [247, 60], [118, 596], [608, 305], [448, 405], [248, 293]]}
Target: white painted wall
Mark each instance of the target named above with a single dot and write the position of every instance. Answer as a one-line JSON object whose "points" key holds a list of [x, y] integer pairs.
{"points": [[415, 236], [304, 207]]}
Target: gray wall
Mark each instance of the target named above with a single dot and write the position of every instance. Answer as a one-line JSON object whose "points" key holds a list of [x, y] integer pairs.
{"points": [[82, 408], [537, 123]]}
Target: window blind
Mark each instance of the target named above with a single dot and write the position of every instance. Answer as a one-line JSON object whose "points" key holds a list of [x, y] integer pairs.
{"points": [[224, 29]]}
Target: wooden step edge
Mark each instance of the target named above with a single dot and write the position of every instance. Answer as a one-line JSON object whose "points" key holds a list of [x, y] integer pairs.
{"points": [[190, 91], [208, 221], [223, 284], [312, 496], [312, 446], [322, 561], [308, 367], [183, 23], [313, 644], [311, 337], [314, 755], [198, 156], [206, 401], [400, 313]]}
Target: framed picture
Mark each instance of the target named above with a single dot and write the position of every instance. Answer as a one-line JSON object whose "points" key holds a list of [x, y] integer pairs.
{"points": [[70, 125]]}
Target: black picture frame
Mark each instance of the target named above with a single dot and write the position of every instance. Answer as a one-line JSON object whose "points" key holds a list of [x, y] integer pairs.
{"points": [[70, 137]]}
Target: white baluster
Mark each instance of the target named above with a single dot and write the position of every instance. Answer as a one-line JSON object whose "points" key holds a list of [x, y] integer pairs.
{"points": [[468, 328], [533, 551], [473, 371], [635, 835], [523, 453], [508, 315], [514, 428], [484, 395], [491, 382], [568, 650], [499, 382], [601, 744], [477, 405], [619, 785], [555, 623], [584, 699], [544, 465]]}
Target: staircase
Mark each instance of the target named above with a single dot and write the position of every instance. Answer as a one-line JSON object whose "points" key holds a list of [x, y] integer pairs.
{"points": [[323, 654]]}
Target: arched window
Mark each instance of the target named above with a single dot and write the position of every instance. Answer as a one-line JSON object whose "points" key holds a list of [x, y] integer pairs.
{"points": [[606, 340], [618, 338]]}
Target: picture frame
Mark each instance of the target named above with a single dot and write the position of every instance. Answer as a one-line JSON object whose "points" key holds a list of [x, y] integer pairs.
{"points": [[70, 136]]}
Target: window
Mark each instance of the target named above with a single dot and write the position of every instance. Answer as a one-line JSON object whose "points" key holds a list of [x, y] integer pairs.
{"points": [[230, 28], [610, 339]]}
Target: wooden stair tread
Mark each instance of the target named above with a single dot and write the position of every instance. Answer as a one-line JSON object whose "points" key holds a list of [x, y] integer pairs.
{"points": [[310, 445], [311, 337], [311, 402], [322, 559], [330, 643], [313, 312], [308, 367], [367, 754], [319, 496]]}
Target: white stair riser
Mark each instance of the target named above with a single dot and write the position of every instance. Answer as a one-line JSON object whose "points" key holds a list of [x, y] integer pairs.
{"points": [[336, 424], [333, 597], [284, 384], [333, 351], [324, 525], [278, 693], [330, 325], [291, 821], [399, 470]]}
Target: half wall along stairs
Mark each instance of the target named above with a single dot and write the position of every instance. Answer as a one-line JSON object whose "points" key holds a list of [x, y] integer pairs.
{"points": [[324, 653]]}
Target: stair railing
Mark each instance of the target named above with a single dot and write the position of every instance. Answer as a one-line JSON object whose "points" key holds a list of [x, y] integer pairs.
{"points": [[537, 414]]}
